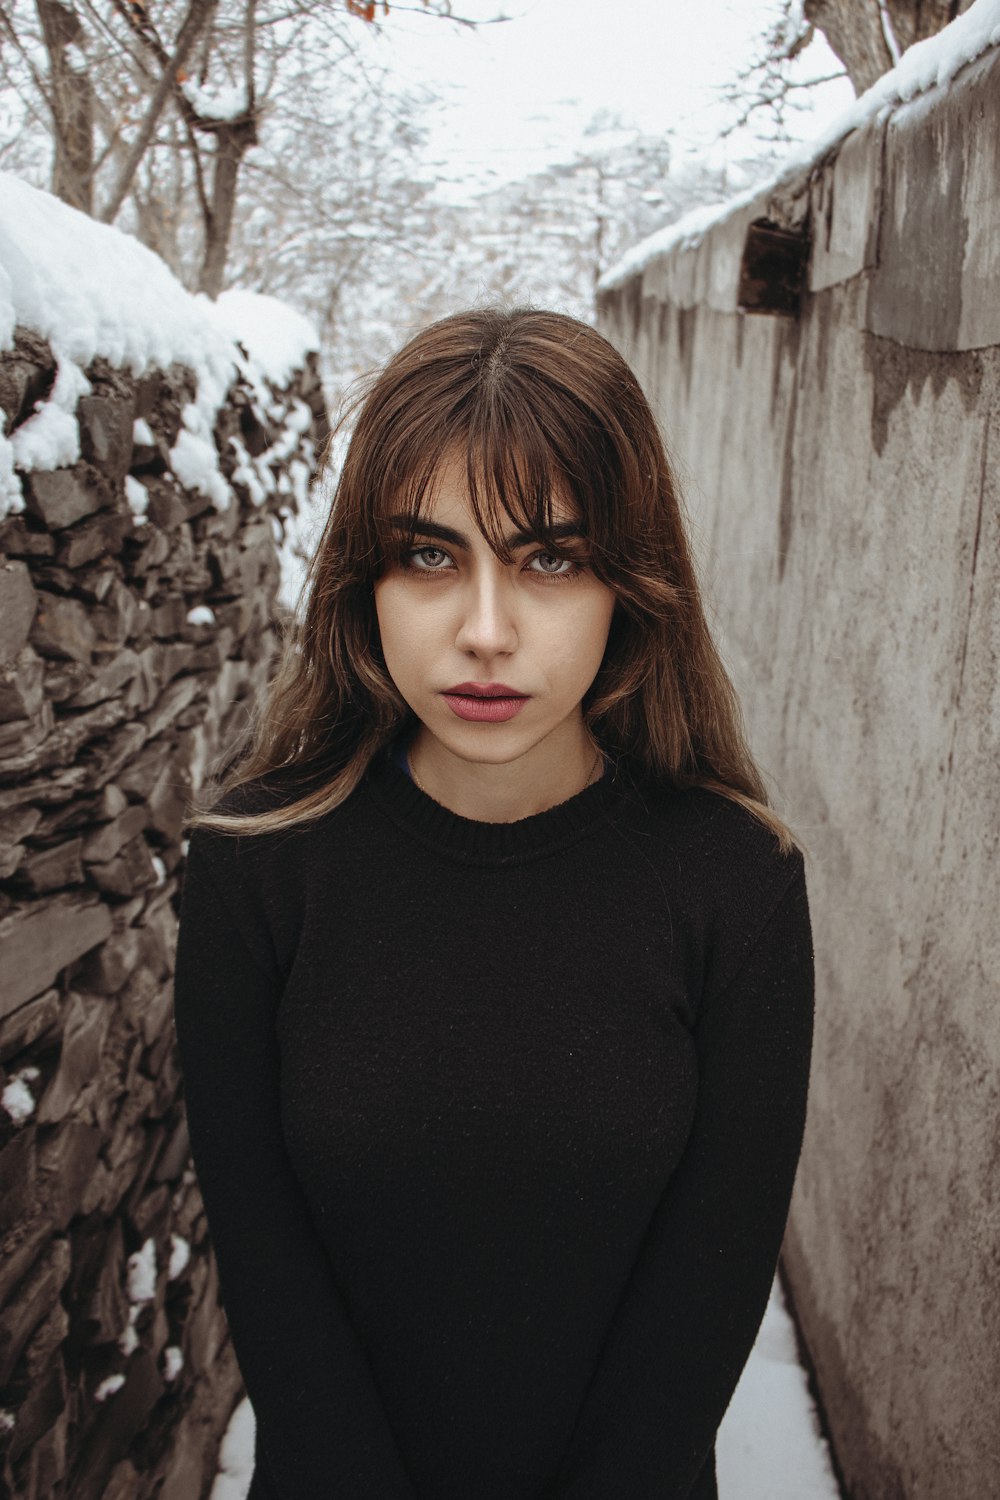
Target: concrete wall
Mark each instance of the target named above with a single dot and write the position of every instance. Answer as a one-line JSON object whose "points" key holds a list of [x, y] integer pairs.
{"points": [[841, 469]]}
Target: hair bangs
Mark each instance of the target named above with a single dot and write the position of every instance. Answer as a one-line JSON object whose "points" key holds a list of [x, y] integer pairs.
{"points": [[515, 475]]}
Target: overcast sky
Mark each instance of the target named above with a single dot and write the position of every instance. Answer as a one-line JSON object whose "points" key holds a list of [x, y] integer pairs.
{"points": [[519, 94]]}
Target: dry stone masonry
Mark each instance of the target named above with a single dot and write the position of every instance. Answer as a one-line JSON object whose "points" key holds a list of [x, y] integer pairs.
{"points": [[137, 610]]}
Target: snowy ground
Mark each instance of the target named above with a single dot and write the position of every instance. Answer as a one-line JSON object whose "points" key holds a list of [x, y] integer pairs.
{"points": [[769, 1445]]}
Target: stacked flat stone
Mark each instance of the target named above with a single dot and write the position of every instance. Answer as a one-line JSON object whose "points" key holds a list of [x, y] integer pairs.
{"points": [[116, 692]]}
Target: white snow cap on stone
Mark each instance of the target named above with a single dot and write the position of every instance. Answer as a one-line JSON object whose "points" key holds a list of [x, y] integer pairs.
{"points": [[92, 290], [108, 1387], [926, 65], [275, 336], [17, 1098], [180, 1254], [142, 1273]]}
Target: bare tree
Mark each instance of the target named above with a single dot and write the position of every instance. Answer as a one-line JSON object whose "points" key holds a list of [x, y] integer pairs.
{"points": [[154, 111], [866, 36]]}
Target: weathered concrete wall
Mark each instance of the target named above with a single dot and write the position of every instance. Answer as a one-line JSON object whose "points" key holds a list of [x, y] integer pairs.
{"points": [[841, 470], [130, 647]]}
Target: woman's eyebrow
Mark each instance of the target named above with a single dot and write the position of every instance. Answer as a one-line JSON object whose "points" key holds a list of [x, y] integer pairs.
{"points": [[409, 522]]}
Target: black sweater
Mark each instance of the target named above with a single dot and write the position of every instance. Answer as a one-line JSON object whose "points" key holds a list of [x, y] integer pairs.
{"points": [[496, 1127]]}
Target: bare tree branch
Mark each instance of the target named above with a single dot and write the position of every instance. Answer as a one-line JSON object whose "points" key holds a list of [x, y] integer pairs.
{"points": [[197, 13]]}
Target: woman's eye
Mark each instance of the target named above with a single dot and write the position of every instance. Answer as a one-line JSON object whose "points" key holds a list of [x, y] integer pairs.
{"points": [[562, 565], [429, 559], [426, 559]]}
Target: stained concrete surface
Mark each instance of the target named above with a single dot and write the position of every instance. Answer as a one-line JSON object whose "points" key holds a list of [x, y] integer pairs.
{"points": [[843, 492]]}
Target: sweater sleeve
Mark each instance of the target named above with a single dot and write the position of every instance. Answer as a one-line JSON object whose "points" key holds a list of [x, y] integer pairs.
{"points": [[696, 1297], [321, 1427]]}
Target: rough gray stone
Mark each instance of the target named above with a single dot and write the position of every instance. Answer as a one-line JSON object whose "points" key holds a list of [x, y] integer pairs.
{"points": [[64, 679], [17, 539], [58, 497], [108, 681], [22, 686], [17, 608], [121, 617], [130, 870], [39, 1017], [20, 739], [51, 869], [106, 430], [27, 374], [40, 939], [105, 842], [99, 536], [86, 1025], [63, 628], [34, 1299]]}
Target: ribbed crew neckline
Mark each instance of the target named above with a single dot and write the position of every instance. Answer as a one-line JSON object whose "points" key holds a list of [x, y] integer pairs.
{"points": [[473, 841]]}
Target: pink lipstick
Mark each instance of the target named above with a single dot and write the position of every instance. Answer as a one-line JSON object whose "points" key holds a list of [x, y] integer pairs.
{"points": [[487, 702]]}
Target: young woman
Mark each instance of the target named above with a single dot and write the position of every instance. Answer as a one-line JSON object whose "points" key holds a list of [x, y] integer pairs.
{"points": [[494, 984]]}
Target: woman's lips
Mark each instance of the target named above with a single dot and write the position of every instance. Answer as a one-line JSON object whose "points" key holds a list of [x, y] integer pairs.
{"points": [[487, 710]]}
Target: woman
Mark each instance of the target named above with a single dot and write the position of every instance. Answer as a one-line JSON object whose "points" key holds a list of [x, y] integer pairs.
{"points": [[494, 987]]}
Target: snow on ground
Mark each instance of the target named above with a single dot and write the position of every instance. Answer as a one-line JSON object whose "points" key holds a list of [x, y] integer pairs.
{"points": [[925, 65], [90, 289], [769, 1445]]}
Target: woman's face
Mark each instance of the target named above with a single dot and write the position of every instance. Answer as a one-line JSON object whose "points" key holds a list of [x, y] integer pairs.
{"points": [[452, 615]]}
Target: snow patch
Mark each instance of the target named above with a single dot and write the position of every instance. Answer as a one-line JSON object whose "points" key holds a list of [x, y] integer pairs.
{"points": [[128, 1339], [51, 438], [141, 1274], [17, 1098], [180, 1250], [108, 1387], [137, 496], [276, 337], [228, 103], [236, 1455]]}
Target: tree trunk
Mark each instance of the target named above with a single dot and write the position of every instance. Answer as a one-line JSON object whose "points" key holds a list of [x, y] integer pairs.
{"points": [[912, 20], [854, 30], [72, 104], [232, 140]]}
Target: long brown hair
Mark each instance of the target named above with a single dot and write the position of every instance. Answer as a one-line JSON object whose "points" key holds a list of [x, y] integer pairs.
{"points": [[540, 404]]}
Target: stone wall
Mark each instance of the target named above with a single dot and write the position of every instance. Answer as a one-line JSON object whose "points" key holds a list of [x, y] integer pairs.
{"points": [[136, 624], [841, 469]]}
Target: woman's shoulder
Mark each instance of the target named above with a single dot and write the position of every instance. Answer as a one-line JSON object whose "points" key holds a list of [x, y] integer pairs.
{"points": [[729, 876], [727, 852]]}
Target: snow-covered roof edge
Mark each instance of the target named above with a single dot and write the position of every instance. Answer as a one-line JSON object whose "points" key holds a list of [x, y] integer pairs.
{"points": [[926, 65]]}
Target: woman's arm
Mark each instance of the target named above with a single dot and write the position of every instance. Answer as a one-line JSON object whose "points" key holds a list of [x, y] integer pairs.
{"points": [[321, 1425], [696, 1297]]}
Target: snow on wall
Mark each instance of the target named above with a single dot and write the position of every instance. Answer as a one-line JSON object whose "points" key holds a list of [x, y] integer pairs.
{"points": [[929, 64], [91, 290]]}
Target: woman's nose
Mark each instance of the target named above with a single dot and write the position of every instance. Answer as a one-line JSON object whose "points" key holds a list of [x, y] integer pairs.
{"points": [[487, 623]]}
